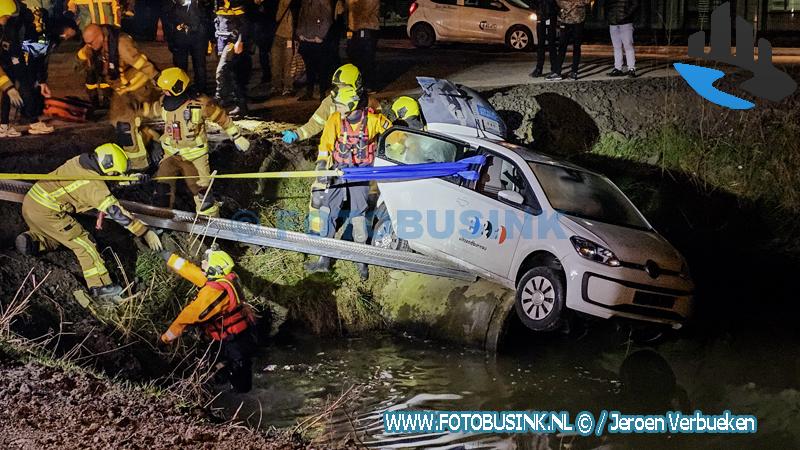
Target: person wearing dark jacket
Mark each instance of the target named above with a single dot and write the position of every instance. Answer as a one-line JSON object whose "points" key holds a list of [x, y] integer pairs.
{"points": [[620, 15], [314, 24], [546, 29], [571, 16], [186, 24]]}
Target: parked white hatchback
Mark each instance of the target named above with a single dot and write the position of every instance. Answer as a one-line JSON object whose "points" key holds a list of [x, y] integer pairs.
{"points": [[562, 236], [482, 21]]}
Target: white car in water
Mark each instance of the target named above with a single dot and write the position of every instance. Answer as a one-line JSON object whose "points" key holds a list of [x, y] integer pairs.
{"points": [[511, 22], [563, 237]]}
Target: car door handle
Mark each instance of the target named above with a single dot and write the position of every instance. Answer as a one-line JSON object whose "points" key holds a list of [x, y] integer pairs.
{"points": [[462, 202]]}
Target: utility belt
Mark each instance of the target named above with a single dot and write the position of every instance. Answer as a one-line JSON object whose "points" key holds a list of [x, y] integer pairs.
{"points": [[50, 199]]}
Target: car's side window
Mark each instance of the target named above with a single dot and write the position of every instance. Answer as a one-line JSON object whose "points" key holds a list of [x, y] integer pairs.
{"points": [[499, 174], [486, 4], [406, 147]]}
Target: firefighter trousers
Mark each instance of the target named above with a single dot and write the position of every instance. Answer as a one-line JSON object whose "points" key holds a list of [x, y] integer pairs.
{"points": [[125, 115], [354, 196], [51, 228], [176, 165]]}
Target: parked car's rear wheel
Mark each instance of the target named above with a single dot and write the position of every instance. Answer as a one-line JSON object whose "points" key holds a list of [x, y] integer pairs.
{"points": [[383, 235], [540, 298], [422, 35], [519, 38]]}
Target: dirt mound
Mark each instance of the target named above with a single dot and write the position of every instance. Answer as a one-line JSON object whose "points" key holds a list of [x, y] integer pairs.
{"points": [[47, 407]]}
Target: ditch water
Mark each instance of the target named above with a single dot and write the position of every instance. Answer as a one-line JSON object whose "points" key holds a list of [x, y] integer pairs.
{"points": [[599, 370]]}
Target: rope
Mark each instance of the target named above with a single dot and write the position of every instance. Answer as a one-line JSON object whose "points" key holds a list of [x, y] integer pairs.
{"points": [[252, 175]]}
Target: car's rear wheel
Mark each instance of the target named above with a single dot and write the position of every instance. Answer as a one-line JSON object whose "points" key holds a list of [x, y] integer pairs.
{"points": [[422, 35], [540, 298], [519, 38], [383, 235]]}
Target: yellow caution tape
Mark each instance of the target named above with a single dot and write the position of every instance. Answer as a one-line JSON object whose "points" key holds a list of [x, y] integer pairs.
{"points": [[252, 175]]}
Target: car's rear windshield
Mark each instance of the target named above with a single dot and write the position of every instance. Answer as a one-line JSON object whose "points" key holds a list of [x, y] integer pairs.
{"points": [[587, 195]]}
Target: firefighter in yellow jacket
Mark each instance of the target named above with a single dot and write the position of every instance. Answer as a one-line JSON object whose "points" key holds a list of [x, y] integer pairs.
{"points": [[185, 142], [348, 140], [219, 310], [100, 12], [48, 207], [131, 75]]}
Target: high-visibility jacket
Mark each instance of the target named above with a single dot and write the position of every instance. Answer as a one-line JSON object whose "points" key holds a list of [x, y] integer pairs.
{"points": [[79, 196], [124, 67], [100, 12], [229, 7], [316, 123], [217, 306], [345, 145], [5, 81], [185, 123]]}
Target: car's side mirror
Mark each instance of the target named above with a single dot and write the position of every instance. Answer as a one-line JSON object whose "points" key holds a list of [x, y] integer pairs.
{"points": [[511, 197]]}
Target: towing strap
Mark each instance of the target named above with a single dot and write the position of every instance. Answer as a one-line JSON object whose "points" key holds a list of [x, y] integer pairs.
{"points": [[462, 168]]}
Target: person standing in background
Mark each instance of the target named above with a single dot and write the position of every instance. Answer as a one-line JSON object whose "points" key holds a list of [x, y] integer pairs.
{"points": [[571, 17], [314, 23], [620, 15], [547, 30], [185, 26], [232, 46], [282, 51], [363, 24]]}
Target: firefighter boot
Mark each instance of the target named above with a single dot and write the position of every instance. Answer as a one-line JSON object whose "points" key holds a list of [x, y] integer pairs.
{"points": [[205, 204], [107, 292], [27, 245], [323, 264]]}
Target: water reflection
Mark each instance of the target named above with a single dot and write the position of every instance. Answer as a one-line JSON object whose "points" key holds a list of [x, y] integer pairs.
{"points": [[297, 381]]}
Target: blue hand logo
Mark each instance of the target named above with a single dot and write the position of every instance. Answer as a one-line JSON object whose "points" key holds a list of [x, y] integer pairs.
{"points": [[702, 79], [767, 82]]}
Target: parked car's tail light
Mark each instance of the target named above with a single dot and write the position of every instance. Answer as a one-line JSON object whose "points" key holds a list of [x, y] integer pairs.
{"points": [[594, 252], [413, 7], [533, 17]]}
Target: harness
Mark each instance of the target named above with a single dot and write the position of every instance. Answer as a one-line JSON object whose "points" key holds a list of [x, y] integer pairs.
{"points": [[236, 317], [353, 147]]}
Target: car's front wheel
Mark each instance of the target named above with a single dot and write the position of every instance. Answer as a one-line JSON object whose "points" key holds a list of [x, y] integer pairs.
{"points": [[383, 234], [540, 298], [423, 35], [519, 38]]}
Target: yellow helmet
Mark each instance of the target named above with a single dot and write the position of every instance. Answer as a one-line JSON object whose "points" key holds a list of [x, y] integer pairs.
{"points": [[8, 8], [173, 80], [348, 75], [404, 108], [219, 263], [346, 96], [112, 159]]}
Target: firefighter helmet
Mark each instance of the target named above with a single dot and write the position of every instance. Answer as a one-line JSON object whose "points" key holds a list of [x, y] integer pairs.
{"points": [[219, 263], [8, 8], [404, 108], [348, 75], [112, 159], [347, 97], [173, 80]]}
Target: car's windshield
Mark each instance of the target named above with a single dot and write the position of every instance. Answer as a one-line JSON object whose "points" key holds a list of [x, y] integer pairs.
{"points": [[519, 4], [587, 195]]}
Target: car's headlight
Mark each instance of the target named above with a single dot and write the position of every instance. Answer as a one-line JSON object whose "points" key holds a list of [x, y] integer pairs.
{"points": [[594, 252], [533, 17]]}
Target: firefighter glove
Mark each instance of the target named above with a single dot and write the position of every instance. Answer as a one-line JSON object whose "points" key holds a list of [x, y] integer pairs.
{"points": [[289, 136], [153, 241], [242, 143], [141, 178], [16, 99]]}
